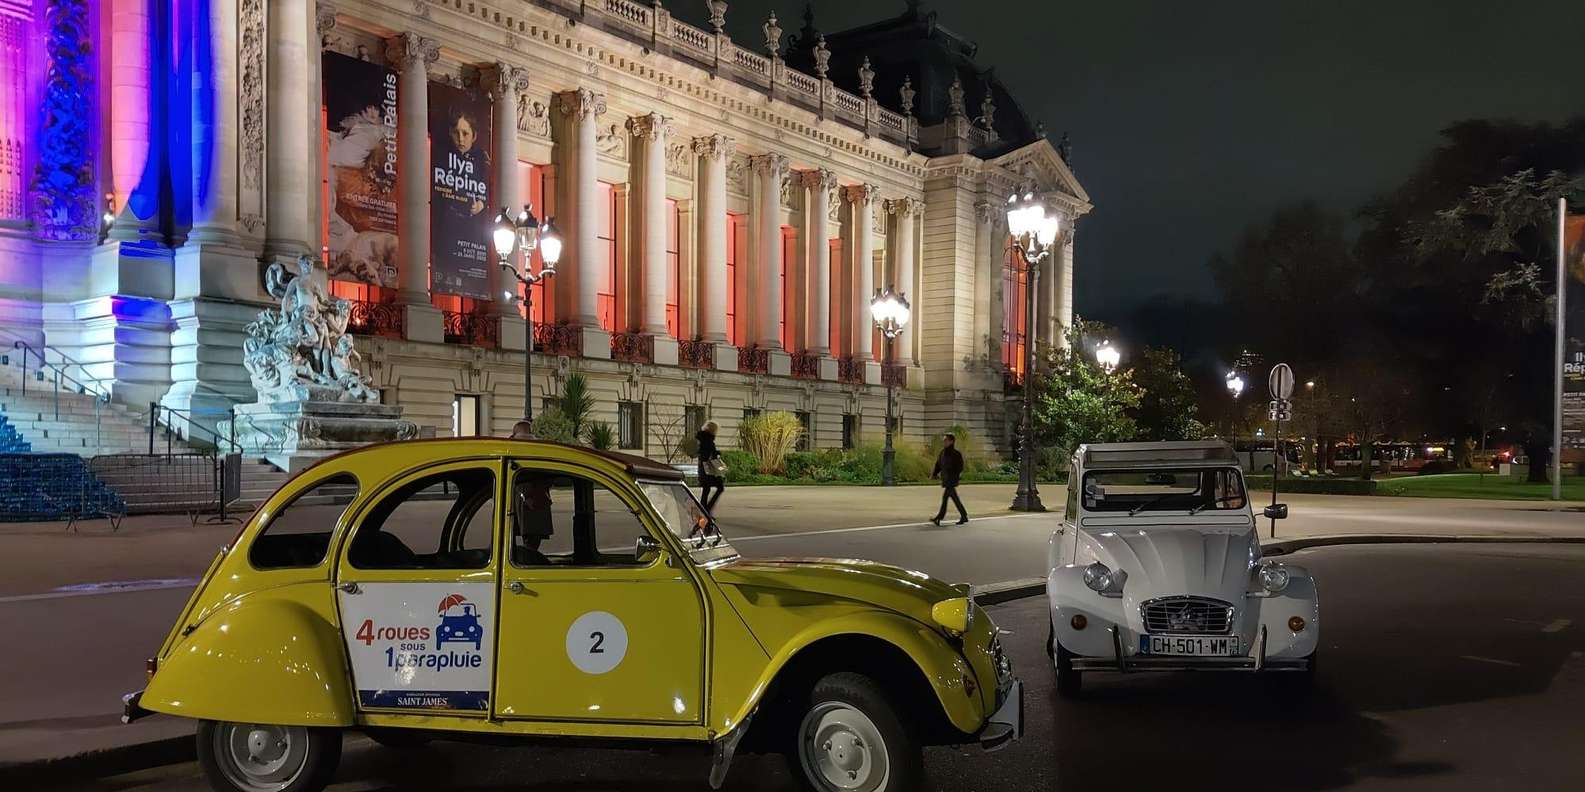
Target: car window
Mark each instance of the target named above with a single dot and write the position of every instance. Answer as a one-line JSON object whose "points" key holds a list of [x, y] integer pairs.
{"points": [[1137, 491], [561, 519], [688, 520], [1071, 510], [298, 534], [441, 521]]}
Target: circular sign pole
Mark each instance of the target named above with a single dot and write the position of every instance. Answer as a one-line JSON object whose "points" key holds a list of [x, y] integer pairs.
{"points": [[1281, 385]]}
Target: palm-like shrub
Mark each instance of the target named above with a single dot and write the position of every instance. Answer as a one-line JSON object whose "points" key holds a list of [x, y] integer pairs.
{"points": [[769, 437], [577, 403], [601, 436]]}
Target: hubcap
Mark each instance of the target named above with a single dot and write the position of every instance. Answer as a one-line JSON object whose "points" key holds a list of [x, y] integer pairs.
{"points": [[260, 758], [841, 750]]}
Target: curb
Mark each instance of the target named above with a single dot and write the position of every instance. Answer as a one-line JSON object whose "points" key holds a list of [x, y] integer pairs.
{"points": [[1008, 590], [1287, 546], [119, 760]]}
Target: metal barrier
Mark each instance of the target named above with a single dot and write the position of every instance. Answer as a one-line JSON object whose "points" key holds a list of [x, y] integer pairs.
{"points": [[50, 487], [191, 483]]}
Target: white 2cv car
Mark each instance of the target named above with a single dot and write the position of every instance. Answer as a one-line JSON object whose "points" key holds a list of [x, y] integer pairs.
{"points": [[1157, 567]]}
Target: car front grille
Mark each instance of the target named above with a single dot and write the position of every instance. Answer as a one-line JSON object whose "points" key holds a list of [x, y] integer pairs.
{"points": [[1187, 616]]}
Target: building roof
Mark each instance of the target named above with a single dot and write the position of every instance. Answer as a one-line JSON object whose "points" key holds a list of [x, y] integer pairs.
{"points": [[915, 46]]}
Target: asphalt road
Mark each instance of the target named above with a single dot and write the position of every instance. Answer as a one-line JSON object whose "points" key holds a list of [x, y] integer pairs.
{"points": [[1444, 668]]}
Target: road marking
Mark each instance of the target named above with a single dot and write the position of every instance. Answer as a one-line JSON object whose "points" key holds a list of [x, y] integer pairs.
{"points": [[1557, 625], [104, 587], [741, 539], [1491, 660]]}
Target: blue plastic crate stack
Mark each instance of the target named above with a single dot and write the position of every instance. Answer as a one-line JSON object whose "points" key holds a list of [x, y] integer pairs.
{"points": [[10, 441], [47, 487]]}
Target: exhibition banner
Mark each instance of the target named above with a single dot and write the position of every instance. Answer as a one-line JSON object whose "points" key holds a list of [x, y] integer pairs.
{"points": [[360, 158], [1573, 292], [459, 197]]}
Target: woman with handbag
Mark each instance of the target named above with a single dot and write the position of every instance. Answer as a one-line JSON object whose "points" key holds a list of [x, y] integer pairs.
{"points": [[712, 471]]}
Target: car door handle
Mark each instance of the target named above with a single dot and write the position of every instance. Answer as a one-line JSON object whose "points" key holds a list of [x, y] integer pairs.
{"points": [[350, 587], [516, 587]]}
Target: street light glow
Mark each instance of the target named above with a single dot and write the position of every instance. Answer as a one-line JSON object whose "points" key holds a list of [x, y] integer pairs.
{"points": [[1235, 384], [1108, 356]]}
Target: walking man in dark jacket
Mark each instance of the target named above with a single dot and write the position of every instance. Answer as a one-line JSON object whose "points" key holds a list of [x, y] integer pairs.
{"points": [[949, 467]]}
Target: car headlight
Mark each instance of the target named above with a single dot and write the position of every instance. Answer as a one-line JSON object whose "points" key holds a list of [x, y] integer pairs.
{"points": [[1274, 578], [1098, 577]]}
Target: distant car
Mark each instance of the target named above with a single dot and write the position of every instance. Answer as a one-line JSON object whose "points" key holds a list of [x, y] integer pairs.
{"points": [[579, 594], [1157, 567]]}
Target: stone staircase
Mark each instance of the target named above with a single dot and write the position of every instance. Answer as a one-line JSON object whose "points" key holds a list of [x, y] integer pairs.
{"points": [[69, 422]]}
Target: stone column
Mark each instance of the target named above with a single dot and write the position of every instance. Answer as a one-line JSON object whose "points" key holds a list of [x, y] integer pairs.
{"points": [[713, 152], [214, 124], [291, 121], [1063, 313], [504, 84], [995, 264], [862, 198], [582, 109], [130, 100], [652, 132], [412, 54], [986, 283], [769, 168], [905, 210], [817, 217], [1040, 330]]}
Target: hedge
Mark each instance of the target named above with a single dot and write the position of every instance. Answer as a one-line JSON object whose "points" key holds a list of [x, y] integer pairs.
{"points": [[1317, 486]]}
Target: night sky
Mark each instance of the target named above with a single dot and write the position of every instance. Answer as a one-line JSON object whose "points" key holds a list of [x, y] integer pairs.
{"points": [[1189, 121]]}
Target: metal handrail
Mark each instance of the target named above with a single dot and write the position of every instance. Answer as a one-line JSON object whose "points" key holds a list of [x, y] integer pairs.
{"points": [[21, 343], [162, 415], [60, 373]]}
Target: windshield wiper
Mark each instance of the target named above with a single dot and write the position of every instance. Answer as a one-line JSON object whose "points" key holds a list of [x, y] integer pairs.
{"points": [[1154, 501]]}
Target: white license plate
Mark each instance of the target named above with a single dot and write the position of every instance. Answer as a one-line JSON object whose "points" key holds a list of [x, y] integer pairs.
{"points": [[1191, 645]]}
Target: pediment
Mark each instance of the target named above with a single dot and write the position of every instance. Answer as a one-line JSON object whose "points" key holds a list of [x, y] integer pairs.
{"points": [[1041, 162]]}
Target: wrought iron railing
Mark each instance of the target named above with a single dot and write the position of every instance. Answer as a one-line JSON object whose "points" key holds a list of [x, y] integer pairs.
{"points": [[696, 354], [376, 319], [753, 360], [894, 375], [558, 339], [805, 365], [633, 347], [472, 329], [850, 370]]}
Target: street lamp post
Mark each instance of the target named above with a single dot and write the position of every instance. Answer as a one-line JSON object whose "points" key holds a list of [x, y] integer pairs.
{"points": [[1034, 228], [1235, 386], [525, 233], [891, 312]]}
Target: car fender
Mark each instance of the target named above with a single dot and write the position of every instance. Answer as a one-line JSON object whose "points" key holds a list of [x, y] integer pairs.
{"points": [[1301, 598], [942, 666], [261, 658], [1068, 597]]}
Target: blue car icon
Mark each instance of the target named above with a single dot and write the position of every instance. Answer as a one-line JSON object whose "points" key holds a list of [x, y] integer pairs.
{"points": [[462, 628]]}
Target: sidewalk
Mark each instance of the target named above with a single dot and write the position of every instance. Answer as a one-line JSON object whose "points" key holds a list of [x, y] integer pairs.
{"points": [[85, 646]]}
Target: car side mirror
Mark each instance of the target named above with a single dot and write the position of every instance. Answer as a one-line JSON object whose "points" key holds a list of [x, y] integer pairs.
{"points": [[1277, 511], [645, 547]]}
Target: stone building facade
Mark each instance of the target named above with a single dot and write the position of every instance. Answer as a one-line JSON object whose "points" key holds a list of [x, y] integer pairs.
{"points": [[728, 207]]}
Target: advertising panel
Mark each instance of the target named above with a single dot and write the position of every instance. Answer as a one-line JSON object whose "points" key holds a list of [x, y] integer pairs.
{"points": [[421, 645], [459, 198], [360, 117], [1574, 339]]}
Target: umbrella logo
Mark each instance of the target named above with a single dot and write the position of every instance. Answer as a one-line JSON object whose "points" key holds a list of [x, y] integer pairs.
{"points": [[459, 622]]}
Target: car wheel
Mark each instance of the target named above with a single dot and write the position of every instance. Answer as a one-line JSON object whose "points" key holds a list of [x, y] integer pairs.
{"points": [[850, 739], [254, 757], [1069, 681], [401, 739]]}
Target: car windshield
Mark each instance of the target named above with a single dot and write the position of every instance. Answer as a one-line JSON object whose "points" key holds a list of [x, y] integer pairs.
{"points": [[1170, 489], [689, 521]]}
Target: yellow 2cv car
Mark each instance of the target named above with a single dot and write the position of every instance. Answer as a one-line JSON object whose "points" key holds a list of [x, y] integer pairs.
{"points": [[490, 588]]}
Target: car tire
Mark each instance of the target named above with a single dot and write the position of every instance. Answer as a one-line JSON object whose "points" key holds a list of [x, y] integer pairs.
{"points": [[398, 739], [1070, 681], [848, 736], [250, 757]]}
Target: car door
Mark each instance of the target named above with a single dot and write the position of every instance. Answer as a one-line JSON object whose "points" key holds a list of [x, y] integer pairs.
{"points": [[592, 629], [416, 587]]}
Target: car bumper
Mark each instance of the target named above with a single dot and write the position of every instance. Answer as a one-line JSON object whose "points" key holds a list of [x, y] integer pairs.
{"points": [[1256, 660], [1006, 724], [131, 708]]}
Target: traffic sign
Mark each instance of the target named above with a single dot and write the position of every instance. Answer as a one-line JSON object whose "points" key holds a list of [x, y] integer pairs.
{"points": [[1281, 381]]}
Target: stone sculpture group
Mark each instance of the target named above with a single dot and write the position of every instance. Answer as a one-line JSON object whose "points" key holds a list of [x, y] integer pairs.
{"points": [[301, 351]]}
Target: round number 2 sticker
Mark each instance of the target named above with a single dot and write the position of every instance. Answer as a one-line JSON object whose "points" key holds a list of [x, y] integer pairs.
{"points": [[596, 642]]}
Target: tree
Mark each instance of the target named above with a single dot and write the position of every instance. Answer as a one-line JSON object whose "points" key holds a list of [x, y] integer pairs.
{"points": [[1078, 401], [577, 404], [1167, 408]]}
